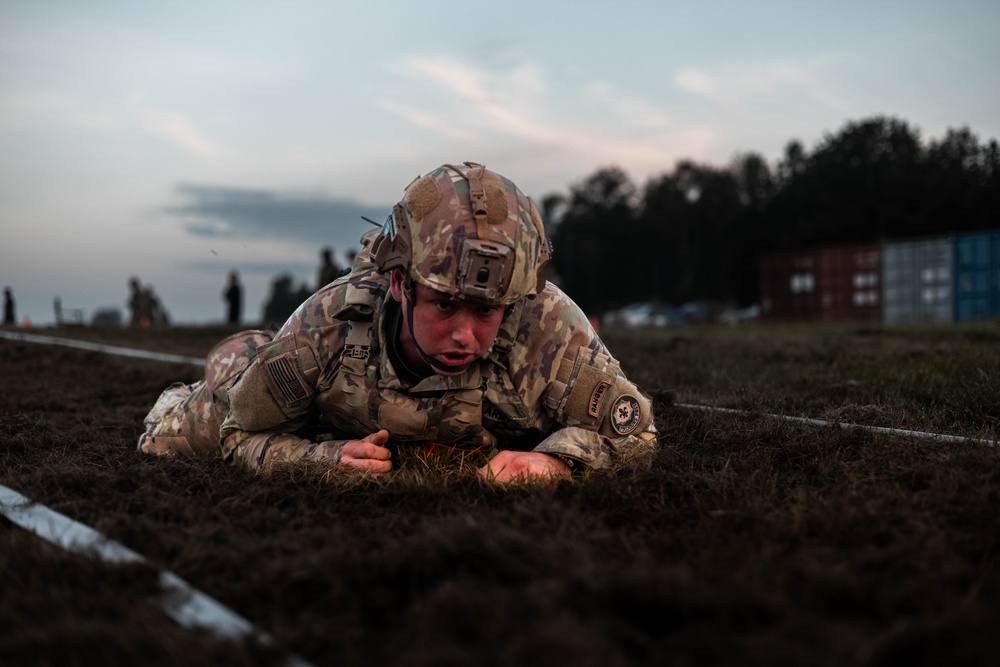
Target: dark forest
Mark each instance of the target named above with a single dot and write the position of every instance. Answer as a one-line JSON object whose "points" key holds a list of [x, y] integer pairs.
{"points": [[697, 233]]}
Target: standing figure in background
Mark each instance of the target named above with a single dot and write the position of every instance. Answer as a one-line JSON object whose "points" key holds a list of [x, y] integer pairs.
{"points": [[352, 255], [234, 297], [151, 307], [329, 270], [8, 306], [157, 314], [138, 304]]}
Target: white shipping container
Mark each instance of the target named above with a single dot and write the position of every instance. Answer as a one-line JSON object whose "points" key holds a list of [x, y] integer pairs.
{"points": [[917, 283]]}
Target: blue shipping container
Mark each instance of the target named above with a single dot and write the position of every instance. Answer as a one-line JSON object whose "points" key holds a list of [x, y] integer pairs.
{"points": [[977, 275]]}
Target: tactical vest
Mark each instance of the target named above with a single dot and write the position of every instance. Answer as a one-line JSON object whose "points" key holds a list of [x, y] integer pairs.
{"points": [[361, 393]]}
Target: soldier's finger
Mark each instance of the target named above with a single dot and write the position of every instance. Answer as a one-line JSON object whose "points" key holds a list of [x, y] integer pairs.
{"points": [[378, 438], [370, 465], [528, 466], [360, 449], [376, 452], [376, 466], [492, 470]]}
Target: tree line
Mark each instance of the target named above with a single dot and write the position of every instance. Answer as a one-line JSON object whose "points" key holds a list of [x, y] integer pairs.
{"points": [[697, 233]]}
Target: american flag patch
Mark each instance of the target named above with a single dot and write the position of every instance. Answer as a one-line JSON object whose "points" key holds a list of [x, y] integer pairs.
{"points": [[286, 379]]}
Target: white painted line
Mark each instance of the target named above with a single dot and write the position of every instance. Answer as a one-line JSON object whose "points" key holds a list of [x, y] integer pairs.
{"points": [[188, 606], [845, 425], [106, 349]]}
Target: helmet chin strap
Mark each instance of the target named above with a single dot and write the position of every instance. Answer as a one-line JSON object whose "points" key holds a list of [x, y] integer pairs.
{"points": [[435, 365]]}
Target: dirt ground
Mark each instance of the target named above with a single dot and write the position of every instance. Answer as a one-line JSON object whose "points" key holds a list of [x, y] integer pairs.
{"points": [[748, 541]]}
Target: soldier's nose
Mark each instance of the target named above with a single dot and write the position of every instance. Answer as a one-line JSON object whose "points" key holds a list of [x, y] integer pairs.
{"points": [[463, 333]]}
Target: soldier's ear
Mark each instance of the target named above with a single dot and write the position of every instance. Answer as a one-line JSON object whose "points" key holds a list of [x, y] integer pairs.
{"points": [[396, 285]]}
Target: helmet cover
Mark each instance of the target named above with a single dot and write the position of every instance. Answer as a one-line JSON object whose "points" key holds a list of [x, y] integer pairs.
{"points": [[467, 232]]}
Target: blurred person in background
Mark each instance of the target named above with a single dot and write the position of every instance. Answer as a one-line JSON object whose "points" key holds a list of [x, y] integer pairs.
{"points": [[352, 255], [138, 304], [329, 270], [8, 307], [233, 296]]}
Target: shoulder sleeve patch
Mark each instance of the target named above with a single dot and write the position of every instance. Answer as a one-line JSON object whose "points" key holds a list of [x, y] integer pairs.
{"points": [[285, 380], [630, 410], [251, 403], [626, 414], [290, 371]]}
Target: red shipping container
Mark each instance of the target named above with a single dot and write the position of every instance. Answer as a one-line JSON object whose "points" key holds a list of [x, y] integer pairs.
{"points": [[788, 287], [848, 282], [830, 283]]}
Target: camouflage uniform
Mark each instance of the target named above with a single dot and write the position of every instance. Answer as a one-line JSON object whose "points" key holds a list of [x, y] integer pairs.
{"points": [[186, 418], [547, 384]]}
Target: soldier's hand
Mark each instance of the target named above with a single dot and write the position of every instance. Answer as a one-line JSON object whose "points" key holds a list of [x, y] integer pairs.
{"points": [[369, 453], [511, 466]]}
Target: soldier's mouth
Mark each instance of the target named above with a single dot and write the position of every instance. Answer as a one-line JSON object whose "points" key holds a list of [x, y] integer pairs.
{"points": [[456, 359]]}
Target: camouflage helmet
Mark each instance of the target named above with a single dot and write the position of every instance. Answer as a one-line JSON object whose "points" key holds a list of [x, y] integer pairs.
{"points": [[467, 232]]}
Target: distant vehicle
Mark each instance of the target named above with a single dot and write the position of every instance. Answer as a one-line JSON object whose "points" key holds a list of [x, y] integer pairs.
{"points": [[645, 314], [695, 312], [736, 315]]}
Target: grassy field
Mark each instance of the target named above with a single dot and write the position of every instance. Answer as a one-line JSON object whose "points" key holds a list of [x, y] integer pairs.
{"points": [[747, 540], [942, 378]]}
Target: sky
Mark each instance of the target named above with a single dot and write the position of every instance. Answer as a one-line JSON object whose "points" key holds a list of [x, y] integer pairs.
{"points": [[179, 141]]}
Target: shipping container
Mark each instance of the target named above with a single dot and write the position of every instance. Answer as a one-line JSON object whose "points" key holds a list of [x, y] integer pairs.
{"points": [[977, 275], [788, 289], [848, 281], [918, 280]]}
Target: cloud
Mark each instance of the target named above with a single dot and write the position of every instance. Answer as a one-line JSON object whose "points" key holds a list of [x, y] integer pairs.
{"points": [[460, 79], [739, 83], [427, 121], [237, 213], [499, 100], [698, 82], [631, 111], [512, 110], [174, 127]]}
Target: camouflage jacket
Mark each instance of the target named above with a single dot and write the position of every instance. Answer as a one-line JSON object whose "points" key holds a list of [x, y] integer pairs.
{"points": [[548, 384]]}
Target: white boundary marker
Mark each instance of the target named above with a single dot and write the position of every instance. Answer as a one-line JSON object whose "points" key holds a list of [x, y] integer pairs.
{"points": [[97, 347], [184, 604], [845, 425], [181, 602]]}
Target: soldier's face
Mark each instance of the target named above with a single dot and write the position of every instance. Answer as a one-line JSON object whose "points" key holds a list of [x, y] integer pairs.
{"points": [[454, 333]]}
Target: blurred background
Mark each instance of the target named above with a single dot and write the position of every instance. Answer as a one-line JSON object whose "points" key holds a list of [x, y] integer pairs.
{"points": [[671, 145]]}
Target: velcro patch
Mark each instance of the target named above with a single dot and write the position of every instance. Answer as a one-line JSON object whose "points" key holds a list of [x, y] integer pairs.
{"points": [[594, 407], [626, 414], [286, 379], [586, 401], [422, 196]]}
